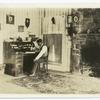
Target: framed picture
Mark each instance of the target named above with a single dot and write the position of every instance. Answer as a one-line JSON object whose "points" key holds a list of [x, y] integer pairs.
{"points": [[27, 22], [21, 28], [75, 19], [69, 19], [9, 19]]}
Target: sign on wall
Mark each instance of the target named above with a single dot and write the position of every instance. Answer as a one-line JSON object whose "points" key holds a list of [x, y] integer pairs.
{"points": [[9, 19]]}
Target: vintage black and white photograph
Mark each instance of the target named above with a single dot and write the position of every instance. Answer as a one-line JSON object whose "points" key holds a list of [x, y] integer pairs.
{"points": [[46, 50]]}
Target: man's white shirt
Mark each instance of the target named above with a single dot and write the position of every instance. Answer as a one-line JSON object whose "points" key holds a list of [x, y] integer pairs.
{"points": [[43, 52]]}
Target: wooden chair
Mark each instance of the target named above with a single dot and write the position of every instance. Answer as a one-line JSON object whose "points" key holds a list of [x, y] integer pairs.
{"points": [[44, 68]]}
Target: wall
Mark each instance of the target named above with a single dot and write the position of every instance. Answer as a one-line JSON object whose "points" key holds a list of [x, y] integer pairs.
{"points": [[40, 24], [60, 15], [20, 15], [11, 30]]}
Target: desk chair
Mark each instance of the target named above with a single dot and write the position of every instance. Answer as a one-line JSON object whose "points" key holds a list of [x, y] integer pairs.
{"points": [[44, 63], [39, 70], [44, 68]]}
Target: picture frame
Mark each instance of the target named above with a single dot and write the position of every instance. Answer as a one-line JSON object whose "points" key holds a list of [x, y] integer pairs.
{"points": [[10, 19], [27, 22], [21, 28], [69, 19]]}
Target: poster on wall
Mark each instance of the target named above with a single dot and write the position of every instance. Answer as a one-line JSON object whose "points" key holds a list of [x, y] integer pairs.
{"points": [[9, 19]]}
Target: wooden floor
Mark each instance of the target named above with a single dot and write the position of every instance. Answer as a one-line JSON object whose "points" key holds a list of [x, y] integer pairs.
{"points": [[7, 87], [70, 83]]}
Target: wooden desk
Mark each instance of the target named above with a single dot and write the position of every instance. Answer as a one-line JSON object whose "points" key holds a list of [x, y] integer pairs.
{"points": [[17, 63]]}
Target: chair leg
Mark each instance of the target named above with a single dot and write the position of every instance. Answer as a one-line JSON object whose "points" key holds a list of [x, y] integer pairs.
{"points": [[46, 67]]}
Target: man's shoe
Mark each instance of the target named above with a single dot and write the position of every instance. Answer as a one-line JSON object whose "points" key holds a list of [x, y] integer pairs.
{"points": [[32, 75]]}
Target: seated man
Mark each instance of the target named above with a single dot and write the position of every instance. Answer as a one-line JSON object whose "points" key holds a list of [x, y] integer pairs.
{"points": [[41, 57]]}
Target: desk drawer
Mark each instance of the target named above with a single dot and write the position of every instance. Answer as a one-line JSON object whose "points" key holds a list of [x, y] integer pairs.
{"points": [[13, 69]]}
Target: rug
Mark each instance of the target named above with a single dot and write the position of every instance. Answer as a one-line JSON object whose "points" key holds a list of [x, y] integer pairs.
{"points": [[56, 84]]}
